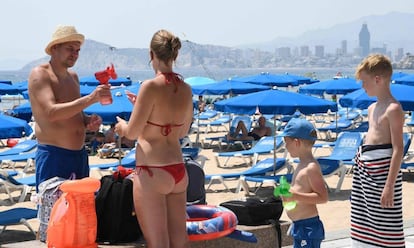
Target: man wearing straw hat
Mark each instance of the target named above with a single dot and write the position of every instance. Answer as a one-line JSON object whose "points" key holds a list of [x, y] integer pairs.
{"points": [[58, 109]]}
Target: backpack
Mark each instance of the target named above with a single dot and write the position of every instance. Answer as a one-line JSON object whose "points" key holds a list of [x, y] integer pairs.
{"points": [[196, 193], [255, 211], [117, 221]]}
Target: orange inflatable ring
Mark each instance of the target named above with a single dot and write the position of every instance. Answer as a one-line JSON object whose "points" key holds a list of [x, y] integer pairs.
{"points": [[84, 185], [209, 222]]}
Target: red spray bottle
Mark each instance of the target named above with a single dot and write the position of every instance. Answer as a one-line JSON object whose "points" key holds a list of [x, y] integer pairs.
{"points": [[103, 78]]}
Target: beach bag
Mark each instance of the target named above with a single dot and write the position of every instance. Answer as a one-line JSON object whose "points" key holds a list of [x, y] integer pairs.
{"points": [[72, 221], [196, 192], [255, 211], [48, 194], [117, 221]]}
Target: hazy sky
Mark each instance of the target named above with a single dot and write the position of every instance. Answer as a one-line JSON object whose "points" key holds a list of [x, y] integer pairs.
{"points": [[27, 25]]}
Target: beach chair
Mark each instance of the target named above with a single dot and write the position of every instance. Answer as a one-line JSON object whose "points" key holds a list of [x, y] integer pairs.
{"points": [[265, 145], [206, 115], [343, 153], [10, 183], [11, 160], [223, 139], [222, 121], [259, 181], [17, 216], [22, 146], [260, 168], [341, 125], [127, 161]]}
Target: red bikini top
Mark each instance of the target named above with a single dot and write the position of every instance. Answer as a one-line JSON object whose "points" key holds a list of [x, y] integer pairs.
{"points": [[172, 77], [175, 78], [165, 129]]}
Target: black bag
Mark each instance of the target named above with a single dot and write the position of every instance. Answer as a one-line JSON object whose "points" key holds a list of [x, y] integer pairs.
{"points": [[254, 211], [117, 222], [196, 192]]}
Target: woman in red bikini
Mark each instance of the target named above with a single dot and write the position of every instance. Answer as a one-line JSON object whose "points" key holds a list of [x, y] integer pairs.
{"points": [[162, 114]]}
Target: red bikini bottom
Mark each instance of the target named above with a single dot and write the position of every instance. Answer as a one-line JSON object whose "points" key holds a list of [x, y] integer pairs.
{"points": [[177, 171]]}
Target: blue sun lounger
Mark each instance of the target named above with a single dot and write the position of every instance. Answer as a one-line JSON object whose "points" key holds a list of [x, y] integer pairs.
{"points": [[261, 168], [17, 216], [265, 145], [11, 183], [260, 180], [22, 146]]}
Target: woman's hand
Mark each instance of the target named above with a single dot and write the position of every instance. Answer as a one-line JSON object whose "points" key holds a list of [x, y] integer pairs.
{"points": [[131, 96], [120, 126]]}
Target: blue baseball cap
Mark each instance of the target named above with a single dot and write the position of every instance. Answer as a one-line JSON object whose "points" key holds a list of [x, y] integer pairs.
{"points": [[300, 128]]}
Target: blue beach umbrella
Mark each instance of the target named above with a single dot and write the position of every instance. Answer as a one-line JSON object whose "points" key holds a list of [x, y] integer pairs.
{"points": [[120, 106], [194, 81], [340, 86], [9, 89], [360, 99], [23, 111], [226, 87], [11, 127], [407, 80], [399, 74], [92, 81], [275, 102], [265, 78], [6, 82]]}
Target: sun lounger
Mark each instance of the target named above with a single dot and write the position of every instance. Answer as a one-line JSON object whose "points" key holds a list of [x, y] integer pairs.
{"points": [[265, 145], [22, 146], [11, 183], [346, 146], [261, 168], [223, 139], [17, 216], [260, 180], [10, 160]]}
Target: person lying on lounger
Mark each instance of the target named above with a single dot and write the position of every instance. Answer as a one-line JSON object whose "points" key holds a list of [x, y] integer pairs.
{"points": [[256, 133]]}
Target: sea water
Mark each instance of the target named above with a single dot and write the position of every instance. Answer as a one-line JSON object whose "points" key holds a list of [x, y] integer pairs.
{"points": [[216, 74]]}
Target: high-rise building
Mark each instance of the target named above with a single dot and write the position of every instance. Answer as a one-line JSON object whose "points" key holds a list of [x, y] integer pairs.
{"points": [[284, 52], [344, 47], [304, 51], [319, 51], [364, 40]]}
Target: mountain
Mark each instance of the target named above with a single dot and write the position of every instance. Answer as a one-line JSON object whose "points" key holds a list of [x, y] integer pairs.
{"points": [[391, 29], [95, 55]]}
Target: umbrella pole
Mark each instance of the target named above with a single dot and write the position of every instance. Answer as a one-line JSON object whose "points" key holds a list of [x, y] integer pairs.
{"points": [[119, 151]]}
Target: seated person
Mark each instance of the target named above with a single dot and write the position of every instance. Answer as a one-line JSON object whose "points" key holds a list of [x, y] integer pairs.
{"points": [[127, 143], [256, 134], [97, 142], [110, 135], [201, 104]]}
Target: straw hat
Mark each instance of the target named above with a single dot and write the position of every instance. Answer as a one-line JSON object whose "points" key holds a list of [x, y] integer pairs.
{"points": [[64, 34]]}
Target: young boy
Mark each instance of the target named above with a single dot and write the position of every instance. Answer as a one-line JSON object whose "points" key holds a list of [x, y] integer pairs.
{"points": [[308, 187], [376, 198]]}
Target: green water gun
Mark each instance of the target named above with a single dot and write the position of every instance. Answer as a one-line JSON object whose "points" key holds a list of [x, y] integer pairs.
{"points": [[283, 190]]}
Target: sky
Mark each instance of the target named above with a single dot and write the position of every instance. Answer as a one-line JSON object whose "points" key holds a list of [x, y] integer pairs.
{"points": [[27, 25]]}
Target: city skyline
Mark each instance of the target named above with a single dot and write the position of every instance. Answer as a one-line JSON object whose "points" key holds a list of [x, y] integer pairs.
{"points": [[28, 25]]}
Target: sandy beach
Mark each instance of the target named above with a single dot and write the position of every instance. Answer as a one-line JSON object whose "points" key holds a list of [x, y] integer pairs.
{"points": [[335, 214]]}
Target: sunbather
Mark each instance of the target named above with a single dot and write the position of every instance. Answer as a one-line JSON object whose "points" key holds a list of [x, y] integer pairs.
{"points": [[256, 133]]}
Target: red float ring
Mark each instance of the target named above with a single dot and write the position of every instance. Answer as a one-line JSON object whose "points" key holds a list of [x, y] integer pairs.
{"points": [[209, 222]]}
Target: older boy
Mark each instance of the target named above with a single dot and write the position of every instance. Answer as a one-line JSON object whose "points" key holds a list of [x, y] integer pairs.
{"points": [[308, 187], [376, 198]]}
